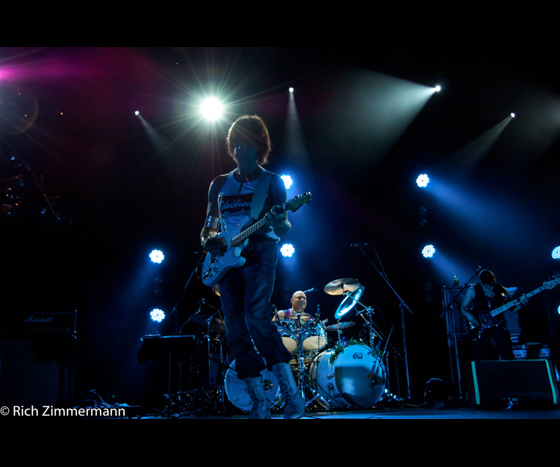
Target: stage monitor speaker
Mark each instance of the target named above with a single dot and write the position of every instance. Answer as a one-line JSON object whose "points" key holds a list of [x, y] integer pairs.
{"points": [[526, 383], [37, 372]]}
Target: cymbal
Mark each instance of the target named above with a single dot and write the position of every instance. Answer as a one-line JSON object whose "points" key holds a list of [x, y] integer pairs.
{"points": [[349, 302], [339, 286], [340, 326]]}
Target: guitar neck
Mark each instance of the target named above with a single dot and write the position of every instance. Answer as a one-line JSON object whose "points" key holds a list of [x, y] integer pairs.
{"points": [[509, 305], [241, 237]]}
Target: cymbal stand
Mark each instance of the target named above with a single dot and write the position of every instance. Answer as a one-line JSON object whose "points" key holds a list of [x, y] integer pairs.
{"points": [[211, 357], [374, 331], [402, 306]]}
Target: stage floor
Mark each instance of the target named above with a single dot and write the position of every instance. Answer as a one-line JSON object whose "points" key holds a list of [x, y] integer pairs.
{"points": [[396, 414]]}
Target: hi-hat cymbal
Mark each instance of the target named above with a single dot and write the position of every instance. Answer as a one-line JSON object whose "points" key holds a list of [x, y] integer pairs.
{"points": [[340, 286], [339, 326], [302, 317]]}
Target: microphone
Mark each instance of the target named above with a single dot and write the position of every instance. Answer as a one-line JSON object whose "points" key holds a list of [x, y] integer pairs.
{"points": [[353, 245], [480, 268]]}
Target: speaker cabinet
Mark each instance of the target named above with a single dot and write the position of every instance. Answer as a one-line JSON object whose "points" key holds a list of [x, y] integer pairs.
{"points": [[37, 372], [527, 383]]}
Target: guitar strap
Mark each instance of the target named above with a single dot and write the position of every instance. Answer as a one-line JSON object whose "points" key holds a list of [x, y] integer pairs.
{"points": [[259, 196]]}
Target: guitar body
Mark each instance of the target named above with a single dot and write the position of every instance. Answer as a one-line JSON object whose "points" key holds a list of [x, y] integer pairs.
{"points": [[486, 321], [215, 267]]}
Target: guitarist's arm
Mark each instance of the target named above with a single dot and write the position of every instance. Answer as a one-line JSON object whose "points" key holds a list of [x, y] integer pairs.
{"points": [[468, 298], [210, 229], [279, 222]]}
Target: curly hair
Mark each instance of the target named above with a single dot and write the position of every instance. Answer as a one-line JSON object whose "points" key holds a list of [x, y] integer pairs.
{"points": [[249, 129]]}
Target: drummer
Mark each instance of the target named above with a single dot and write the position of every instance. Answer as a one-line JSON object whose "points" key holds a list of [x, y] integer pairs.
{"points": [[299, 304]]}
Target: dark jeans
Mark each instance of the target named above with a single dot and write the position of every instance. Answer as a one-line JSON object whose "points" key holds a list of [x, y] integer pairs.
{"points": [[245, 294], [501, 338]]}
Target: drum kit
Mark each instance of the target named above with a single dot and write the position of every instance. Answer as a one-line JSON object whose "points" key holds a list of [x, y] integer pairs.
{"points": [[349, 375]]}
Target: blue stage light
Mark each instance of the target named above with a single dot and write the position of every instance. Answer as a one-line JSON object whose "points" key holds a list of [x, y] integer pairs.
{"points": [[157, 256], [157, 315], [288, 182], [556, 253], [287, 250], [428, 251], [423, 180]]}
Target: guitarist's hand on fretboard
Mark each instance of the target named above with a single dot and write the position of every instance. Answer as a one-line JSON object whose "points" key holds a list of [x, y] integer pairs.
{"points": [[278, 221]]}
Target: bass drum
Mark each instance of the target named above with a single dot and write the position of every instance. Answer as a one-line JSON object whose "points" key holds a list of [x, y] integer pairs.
{"points": [[355, 379], [236, 390]]}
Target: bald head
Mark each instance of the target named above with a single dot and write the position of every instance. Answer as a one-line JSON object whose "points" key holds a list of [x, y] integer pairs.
{"points": [[299, 301]]}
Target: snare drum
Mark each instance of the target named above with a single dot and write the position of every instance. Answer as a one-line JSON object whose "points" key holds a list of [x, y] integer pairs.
{"points": [[236, 389], [355, 379]]}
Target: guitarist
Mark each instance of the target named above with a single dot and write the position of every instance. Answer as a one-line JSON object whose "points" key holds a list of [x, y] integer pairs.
{"points": [[245, 292], [484, 296]]}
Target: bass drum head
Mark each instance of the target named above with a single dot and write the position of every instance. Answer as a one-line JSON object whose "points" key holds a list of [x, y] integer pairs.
{"points": [[356, 378], [236, 390]]}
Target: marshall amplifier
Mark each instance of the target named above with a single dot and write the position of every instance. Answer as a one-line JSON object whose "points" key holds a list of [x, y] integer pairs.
{"points": [[27, 324], [38, 358]]}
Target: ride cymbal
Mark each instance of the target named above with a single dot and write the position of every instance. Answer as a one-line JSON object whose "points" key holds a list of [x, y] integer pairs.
{"points": [[340, 286]]}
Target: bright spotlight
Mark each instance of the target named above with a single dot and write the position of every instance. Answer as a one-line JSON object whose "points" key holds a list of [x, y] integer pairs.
{"points": [[512, 115], [428, 251], [157, 256], [556, 253], [437, 88], [423, 180], [212, 109], [288, 182], [137, 113], [287, 250], [157, 315], [291, 89]]}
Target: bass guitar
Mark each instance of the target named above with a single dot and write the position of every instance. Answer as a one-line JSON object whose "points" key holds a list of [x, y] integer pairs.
{"points": [[488, 318], [216, 266]]}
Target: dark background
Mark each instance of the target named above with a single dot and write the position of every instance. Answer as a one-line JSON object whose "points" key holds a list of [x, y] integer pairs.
{"points": [[365, 126]]}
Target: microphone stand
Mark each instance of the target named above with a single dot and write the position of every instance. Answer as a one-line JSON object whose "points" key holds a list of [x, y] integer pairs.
{"points": [[452, 334], [403, 306]]}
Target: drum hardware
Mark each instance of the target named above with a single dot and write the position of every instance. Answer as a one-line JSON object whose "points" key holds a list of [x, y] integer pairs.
{"points": [[402, 307], [353, 291]]}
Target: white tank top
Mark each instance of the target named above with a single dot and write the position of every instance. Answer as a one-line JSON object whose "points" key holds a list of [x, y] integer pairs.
{"points": [[234, 201]]}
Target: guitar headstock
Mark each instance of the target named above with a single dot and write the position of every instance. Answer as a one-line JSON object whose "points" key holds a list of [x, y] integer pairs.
{"points": [[552, 283], [297, 202]]}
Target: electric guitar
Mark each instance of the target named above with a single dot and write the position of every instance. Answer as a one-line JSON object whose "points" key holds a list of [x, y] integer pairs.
{"points": [[487, 319], [215, 266]]}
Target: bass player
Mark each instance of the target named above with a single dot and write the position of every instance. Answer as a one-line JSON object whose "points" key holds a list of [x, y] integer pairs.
{"points": [[485, 296]]}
